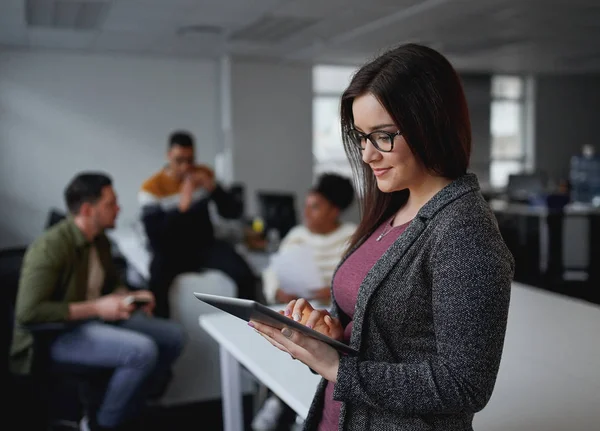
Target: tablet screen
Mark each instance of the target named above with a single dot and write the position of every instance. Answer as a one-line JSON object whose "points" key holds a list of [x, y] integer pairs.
{"points": [[247, 310]]}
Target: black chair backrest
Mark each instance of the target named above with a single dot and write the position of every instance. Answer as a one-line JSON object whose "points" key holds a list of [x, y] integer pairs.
{"points": [[54, 216], [237, 191], [10, 269], [278, 210]]}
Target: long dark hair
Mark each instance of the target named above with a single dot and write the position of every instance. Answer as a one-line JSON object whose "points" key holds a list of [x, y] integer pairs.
{"points": [[422, 92]]}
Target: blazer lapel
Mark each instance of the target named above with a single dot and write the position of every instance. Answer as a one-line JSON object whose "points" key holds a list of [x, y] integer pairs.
{"points": [[395, 254], [377, 274]]}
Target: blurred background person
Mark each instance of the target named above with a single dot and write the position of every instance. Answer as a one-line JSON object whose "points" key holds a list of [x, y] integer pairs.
{"points": [[175, 214], [327, 236]]}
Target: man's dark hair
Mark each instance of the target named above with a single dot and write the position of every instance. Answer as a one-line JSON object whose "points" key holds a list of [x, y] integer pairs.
{"points": [[85, 187], [181, 138]]}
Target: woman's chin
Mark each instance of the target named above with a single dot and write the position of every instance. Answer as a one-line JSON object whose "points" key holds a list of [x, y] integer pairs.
{"points": [[386, 186]]}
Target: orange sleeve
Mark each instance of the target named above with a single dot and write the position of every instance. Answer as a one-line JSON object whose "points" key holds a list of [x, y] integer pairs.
{"points": [[206, 169]]}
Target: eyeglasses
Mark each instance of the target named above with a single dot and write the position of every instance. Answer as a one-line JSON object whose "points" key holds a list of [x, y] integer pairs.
{"points": [[181, 160], [383, 141]]}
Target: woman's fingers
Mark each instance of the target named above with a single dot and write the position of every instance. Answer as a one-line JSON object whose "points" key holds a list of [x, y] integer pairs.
{"points": [[335, 327], [314, 317], [273, 342], [289, 340], [289, 308], [299, 307]]}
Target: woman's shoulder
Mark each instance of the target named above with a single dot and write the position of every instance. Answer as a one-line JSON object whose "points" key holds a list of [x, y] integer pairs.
{"points": [[470, 222], [297, 235], [470, 206], [347, 228]]}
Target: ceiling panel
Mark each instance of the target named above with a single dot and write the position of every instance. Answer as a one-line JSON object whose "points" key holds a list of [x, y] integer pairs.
{"points": [[143, 16], [192, 45], [515, 35], [310, 8], [57, 39], [123, 42]]}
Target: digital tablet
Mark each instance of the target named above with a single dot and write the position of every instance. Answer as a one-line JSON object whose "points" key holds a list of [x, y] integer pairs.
{"points": [[247, 310]]}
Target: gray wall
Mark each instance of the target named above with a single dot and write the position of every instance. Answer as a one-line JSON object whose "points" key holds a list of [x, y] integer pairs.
{"points": [[567, 110], [271, 123], [62, 113]]}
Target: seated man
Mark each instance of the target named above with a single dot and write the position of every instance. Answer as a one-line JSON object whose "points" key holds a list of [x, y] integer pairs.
{"points": [[175, 214], [68, 276], [328, 237]]}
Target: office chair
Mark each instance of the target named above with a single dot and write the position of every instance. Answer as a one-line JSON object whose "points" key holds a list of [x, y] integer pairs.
{"points": [[278, 211], [54, 216], [35, 399], [237, 191]]}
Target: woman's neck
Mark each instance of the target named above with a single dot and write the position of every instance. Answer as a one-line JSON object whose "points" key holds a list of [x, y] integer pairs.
{"points": [[419, 194], [330, 228]]}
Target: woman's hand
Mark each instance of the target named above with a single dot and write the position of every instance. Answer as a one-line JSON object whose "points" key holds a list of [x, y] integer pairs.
{"points": [[319, 356], [320, 320]]}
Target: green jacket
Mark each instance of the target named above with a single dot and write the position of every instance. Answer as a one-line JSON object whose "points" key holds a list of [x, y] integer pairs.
{"points": [[54, 274]]}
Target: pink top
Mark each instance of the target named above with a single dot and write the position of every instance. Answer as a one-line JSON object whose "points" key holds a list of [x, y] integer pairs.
{"points": [[346, 283]]}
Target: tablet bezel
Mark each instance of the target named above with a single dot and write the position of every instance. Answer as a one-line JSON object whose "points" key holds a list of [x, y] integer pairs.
{"points": [[247, 310]]}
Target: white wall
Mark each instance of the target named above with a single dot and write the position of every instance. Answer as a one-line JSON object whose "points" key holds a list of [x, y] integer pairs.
{"points": [[271, 106], [62, 113], [567, 110]]}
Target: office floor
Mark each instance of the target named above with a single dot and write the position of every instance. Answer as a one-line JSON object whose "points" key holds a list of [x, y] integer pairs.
{"points": [[207, 415], [204, 416]]}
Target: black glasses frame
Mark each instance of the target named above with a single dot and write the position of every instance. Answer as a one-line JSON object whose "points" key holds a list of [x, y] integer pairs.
{"points": [[358, 137]]}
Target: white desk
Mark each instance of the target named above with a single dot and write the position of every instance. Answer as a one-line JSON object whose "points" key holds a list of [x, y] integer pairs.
{"points": [[549, 379], [239, 344]]}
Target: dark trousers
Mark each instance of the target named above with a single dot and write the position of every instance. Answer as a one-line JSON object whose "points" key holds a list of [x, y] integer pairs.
{"points": [[220, 256]]}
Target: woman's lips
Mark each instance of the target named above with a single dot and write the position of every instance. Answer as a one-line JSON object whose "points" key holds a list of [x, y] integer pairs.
{"points": [[380, 172]]}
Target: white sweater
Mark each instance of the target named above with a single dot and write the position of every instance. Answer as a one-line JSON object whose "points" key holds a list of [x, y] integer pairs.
{"points": [[327, 249]]}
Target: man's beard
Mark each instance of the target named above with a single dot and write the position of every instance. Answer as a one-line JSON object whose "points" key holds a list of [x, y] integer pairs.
{"points": [[99, 227]]}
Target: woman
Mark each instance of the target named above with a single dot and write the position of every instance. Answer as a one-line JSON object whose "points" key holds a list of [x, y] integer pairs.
{"points": [[423, 292], [322, 231], [327, 236]]}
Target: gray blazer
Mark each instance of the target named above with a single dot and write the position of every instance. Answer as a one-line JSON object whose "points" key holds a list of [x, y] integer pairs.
{"points": [[429, 322]]}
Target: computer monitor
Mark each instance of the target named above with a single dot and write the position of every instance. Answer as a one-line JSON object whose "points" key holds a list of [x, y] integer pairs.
{"points": [[278, 211], [522, 187]]}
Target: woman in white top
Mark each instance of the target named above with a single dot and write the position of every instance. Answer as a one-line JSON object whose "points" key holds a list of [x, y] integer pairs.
{"points": [[322, 230], [328, 237]]}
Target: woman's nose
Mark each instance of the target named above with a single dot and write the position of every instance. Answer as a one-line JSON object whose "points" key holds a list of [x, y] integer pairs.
{"points": [[370, 153]]}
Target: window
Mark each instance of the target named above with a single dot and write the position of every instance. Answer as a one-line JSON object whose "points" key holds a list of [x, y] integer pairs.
{"points": [[509, 153], [329, 82]]}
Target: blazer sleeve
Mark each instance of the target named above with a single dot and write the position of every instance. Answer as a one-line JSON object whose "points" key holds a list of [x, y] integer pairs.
{"points": [[471, 277]]}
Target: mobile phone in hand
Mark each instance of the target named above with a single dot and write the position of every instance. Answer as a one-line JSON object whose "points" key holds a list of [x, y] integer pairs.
{"points": [[138, 302]]}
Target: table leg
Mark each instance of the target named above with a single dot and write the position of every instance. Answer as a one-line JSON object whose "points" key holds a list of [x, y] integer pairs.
{"points": [[233, 413]]}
